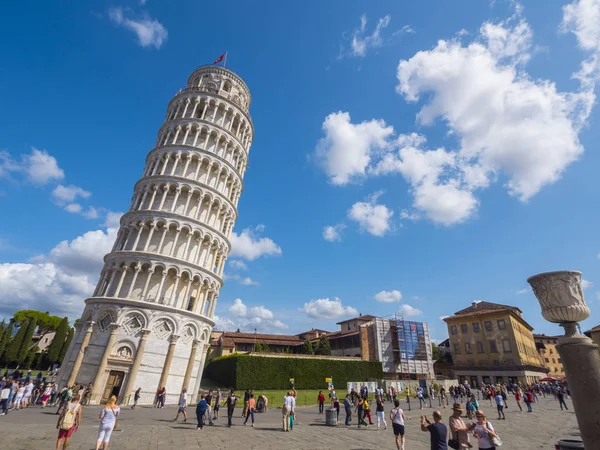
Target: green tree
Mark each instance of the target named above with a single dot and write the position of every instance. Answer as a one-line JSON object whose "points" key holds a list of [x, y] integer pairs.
{"points": [[6, 338], [12, 350], [324, 347], [436, 353], [46, 323], [29, 357], [65, 347], [57, 343], [308, 348], [27, 343]]}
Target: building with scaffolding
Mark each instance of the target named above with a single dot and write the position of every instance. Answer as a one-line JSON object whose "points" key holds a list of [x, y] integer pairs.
{"points": [[403, 347]]}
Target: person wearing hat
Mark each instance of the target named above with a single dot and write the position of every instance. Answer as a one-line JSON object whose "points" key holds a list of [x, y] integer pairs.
{"points": [[458, 429], [484, 431]]}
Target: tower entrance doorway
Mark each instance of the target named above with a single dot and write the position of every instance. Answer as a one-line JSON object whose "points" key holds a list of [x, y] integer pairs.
{"points": [[113, 385]]}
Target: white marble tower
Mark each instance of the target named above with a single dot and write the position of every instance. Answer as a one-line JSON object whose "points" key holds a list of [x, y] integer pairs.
{"points": [[149, 320]]}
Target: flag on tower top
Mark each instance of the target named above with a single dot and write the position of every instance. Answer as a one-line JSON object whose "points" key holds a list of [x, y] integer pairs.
{"points": [[220, 58]]}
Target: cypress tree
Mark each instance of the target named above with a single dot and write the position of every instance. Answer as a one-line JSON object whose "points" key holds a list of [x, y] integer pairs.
{"points": [[57, 343], [26, 344], [6, 337], [11, 355], [308, 348], [65, 347], [28, 360]]}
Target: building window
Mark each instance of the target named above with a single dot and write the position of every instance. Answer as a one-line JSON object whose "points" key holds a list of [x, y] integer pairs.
{"points": [[479, 347], [559, 361], [501, 324], [553, 361], [457, 349], [556, 369], [493, 347], [471, 363], [476, 327], [488, 325], [464, 329], [453, 329], [550, 351], [468, 348], [496, 363], [506, 346], [547, 360], [348, 326]]}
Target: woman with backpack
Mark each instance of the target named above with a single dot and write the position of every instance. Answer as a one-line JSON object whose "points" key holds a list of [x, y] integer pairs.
{"points": [[108, 422], [69, 421]]}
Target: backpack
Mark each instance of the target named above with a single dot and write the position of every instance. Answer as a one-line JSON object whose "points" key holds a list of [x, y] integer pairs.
{"points": [[366, 405], [68, 420]]}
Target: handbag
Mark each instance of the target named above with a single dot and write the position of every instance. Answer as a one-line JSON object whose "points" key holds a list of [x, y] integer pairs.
{"points": [[115, 415], [453, 443], [494, 439]]}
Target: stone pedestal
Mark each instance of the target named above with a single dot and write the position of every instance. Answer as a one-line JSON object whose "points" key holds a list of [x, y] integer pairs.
{"points": [[561, 298]]}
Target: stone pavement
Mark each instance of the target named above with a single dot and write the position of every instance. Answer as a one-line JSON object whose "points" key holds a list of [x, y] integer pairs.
{"points": [[149, 428]]}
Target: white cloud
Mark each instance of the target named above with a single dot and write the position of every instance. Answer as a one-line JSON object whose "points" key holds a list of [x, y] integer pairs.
{"points": [[224, 324], [405, 214], [324, 308], [59, 281], [582, 18], [506, 123], [443, 317], [332, 233], [149, 32], [345, 151], [113, 219], [371, 217], [362, 42], [388, 296], [39, 167], [247, 281], [409, 311], [586, 284], [248, 246], [407, 29], [73, 208], [523, 291], [68, 194], [237, 264], [91, 213], [248, 318], [238, 308]]}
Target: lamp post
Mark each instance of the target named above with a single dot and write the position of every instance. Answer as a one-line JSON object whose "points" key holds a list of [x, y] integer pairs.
{"points": [[561, 298]]}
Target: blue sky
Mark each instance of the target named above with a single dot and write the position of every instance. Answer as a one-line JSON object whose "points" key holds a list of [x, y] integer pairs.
{"points": [[410, 157]]}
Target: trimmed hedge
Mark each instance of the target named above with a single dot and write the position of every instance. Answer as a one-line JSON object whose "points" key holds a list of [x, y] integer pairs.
{"points": [[261, 372]]}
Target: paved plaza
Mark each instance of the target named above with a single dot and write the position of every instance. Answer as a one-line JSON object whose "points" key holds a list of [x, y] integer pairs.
{"points": [[149, 428]]}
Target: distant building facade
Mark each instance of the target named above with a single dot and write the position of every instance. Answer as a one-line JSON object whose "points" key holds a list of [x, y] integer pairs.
{"points": [[492, 343], [546, 346]]}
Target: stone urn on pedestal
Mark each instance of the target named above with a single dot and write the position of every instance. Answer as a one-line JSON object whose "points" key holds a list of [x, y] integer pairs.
{"points": [[561, 298]]}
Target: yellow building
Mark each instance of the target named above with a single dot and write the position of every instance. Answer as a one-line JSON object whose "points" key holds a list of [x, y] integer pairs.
{"points": [[492, 343], [546, 346]]}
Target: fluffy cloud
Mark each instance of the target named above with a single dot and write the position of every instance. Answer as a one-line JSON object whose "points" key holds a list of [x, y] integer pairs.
{"points": [[345, 151], [248, 246], [60, 281], [508, 126], [149, 32], [248, 318], [332, 233], [371, 217], [324, 308], [409, 311], [586, 284], [362, 42], [246, 281], [68, 194], [38, 167], [388, 296], [237, 264]]}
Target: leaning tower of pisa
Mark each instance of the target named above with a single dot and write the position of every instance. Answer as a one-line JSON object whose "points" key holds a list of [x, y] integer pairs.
{"points": [[149, 320]]}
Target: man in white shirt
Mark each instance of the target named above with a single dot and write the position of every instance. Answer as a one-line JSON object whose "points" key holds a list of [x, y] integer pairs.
{"points": [[4, 396], [182, 406], [288, 404], [27, 394]]}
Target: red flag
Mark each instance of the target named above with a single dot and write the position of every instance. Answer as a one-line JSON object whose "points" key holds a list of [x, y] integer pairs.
{"points": [[219, 59]]}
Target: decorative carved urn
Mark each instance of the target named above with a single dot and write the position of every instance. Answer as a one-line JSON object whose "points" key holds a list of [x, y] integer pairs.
{"points": [[560, 296]]}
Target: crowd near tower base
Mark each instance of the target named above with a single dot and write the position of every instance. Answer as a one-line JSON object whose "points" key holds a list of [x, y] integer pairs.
{"points": [[149, 320], [561, 297]]}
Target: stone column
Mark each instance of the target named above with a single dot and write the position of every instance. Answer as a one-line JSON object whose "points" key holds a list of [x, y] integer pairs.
{"points": [[190, 365], [204, 349], [561, 298], [97, 388], [80, 354], [167, 366], [135, 367]]}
